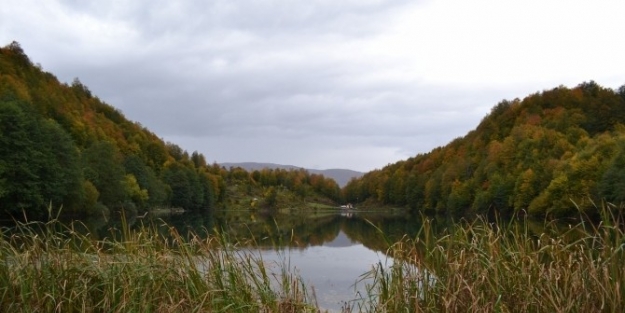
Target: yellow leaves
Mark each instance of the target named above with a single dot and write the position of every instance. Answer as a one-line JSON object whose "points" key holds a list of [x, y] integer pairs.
{"points": [[91, 194], [494, 149], [10, 84], [133, 189]]}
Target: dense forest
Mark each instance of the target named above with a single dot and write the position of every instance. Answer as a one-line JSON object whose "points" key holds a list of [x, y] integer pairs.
{"points": [[62, 147], [554, 153]]}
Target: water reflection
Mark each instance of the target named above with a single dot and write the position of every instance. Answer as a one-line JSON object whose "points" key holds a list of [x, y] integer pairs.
{"points": [[329, 250], [333, 271], [375, 230]]}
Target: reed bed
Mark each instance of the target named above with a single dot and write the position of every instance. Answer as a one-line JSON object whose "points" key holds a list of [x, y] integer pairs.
{"points": [[474, 266], [479, 266], [48, 267]]}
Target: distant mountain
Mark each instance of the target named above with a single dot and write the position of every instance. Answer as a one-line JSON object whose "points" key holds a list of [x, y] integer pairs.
{"points": [[341, 176]]}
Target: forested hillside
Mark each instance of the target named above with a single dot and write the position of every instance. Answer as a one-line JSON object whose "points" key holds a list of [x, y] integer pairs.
{"points": [[61, 146], [552, 153]]}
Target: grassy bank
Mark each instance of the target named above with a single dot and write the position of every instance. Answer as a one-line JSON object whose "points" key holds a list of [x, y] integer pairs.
{"points": [[475, 266]]}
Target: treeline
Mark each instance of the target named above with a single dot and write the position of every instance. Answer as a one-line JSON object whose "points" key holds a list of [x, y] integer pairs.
{"points": [[553, 153], [60, 146], [299, 181]]}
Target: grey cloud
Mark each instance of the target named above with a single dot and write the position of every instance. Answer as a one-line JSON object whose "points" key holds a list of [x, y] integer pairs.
{"points": [[298, 82], [266, 18]]}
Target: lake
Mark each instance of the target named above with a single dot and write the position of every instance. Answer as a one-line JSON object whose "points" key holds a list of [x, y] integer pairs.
{"points": [[493, 264], [331, 251]]}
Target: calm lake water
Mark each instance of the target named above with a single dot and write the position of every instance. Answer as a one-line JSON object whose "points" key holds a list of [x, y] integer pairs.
{"points": [[330, 251], [333, 269]]}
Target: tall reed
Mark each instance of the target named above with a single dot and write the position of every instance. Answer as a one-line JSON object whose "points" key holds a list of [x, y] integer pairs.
{"points": [[495, 267], [474, 266], [50, 267]]}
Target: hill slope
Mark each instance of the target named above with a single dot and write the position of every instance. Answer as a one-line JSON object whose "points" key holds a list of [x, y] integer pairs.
{"points": [[341, 176], [548, 154], [61, 146]]}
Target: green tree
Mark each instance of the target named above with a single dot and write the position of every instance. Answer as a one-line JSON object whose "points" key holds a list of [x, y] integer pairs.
{"points": [[38, 163], [414, 191], [102, 166], [175, 175], [460, 198], [208, 190], [612, 183], [147, 180], [60, 173], [20, 189]]}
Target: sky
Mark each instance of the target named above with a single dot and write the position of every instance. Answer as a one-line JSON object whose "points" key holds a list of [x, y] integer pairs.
{"points": [[321, 84]]}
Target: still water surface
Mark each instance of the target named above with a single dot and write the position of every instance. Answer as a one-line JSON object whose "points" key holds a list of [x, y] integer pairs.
{"points": [[334, 269], [331, 252]]}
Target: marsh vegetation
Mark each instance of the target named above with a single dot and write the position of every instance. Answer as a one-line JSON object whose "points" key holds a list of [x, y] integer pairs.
{"points": [[467, 266]]}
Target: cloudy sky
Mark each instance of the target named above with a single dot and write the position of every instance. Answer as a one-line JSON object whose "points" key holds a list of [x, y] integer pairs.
{"points": [[320, 84]]}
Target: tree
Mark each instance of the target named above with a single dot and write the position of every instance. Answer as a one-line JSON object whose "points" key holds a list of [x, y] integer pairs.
{"points": [[414, 191], [138, 196], [175, 176], [147, 180], [20, 189], [621, 92], [102, 166], [60, 172], [208, 189], [271, 197], [525, 189], [198, 159], [460, 198], [38, 163], [612, 183]]}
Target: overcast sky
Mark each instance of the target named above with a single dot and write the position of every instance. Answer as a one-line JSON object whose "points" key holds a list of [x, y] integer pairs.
{"points": [[322, 84]]}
